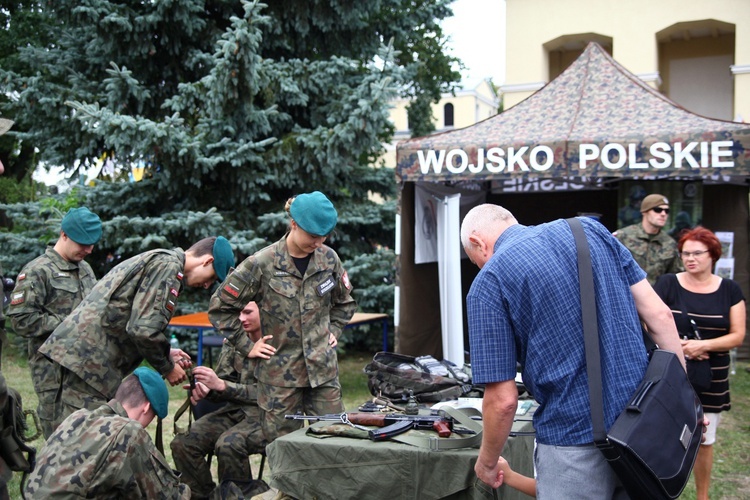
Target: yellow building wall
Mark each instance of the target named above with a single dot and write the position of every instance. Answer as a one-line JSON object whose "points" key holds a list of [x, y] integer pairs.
{"points": [[632, 25], [470, 106]]}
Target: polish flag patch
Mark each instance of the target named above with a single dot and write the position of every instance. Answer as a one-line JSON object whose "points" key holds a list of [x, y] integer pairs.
{"points": [[231, 290]]}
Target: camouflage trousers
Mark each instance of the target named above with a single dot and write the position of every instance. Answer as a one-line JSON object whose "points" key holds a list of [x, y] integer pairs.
{"points": [[232, 434], [277, 402], [45, 375], [73, 393]]}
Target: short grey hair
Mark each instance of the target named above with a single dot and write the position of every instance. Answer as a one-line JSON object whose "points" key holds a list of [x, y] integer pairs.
{"points": [[483, 216]]}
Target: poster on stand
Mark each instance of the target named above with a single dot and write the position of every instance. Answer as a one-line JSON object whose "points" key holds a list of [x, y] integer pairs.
{"points": [[725, 268], [727, 243]]}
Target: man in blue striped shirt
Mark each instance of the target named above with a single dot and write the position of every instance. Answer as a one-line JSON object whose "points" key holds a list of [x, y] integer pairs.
{"points": [[524, 305]]}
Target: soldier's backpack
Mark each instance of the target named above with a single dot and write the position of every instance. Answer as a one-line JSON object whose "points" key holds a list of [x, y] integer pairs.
{"points": [[394, 375], [17, 455]]}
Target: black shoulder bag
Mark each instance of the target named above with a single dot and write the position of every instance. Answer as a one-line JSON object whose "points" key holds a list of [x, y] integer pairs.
{"points": [[699, 371], [653, 443]]}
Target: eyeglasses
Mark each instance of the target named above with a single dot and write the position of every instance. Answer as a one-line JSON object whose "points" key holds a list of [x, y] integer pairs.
{"points": [[686, 255], [659, 210]]}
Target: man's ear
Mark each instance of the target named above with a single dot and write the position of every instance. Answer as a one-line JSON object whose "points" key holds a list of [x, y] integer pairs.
{"points": [[208, 260], [479, 243]]}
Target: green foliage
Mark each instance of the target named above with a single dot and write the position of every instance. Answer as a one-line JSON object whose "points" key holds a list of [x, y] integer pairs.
{"points": [[25, 24], [377, 270], [231, 107], [12, 191]]}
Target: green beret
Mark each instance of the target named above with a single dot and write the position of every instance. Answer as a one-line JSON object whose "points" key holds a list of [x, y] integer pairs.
{"points": [[314, 213], [82, 226], [223, 257], [155, 389]]}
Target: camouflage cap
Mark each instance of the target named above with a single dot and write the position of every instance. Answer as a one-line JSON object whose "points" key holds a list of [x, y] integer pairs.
{"points": [[155, 389], [653, 200], [82, 226], [314, 213]]}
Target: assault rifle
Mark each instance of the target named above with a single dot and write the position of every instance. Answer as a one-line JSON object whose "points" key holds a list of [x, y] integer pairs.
{"points": [[390, 424]]}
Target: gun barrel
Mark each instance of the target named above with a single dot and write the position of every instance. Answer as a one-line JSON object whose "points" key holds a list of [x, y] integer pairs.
{"points": [[392, 424]]}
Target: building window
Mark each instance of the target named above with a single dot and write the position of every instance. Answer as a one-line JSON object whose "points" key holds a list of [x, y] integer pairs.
{"points": [[448, 115], [694, 57], [563, 50]]}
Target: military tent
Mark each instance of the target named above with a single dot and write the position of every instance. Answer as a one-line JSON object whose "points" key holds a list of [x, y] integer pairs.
{"points": [[572, 147]]}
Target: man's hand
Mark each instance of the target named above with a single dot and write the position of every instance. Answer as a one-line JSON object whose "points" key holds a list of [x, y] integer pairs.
{"points": [[261, 349], [498, 411], [491, 476], [208, 378], [196, 394], [332, 341], [180, 357], [177, 375]]}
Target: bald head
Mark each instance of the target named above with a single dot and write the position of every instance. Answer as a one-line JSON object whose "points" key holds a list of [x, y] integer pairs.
{"points": [[481, 228]]}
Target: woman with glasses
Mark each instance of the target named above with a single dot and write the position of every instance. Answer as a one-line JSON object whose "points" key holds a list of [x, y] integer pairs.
{"points": [[304, 296], [713, 307]]}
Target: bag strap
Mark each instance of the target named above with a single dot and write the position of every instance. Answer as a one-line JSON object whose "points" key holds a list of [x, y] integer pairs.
{"points": [[683, 309], [590, 329], [180, 411], [462, 416]]}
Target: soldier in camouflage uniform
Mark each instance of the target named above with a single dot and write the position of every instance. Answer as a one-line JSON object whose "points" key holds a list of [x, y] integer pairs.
{"points": [[5, 472], [123, 320], [652, 248], [107, 453], [47, 290], [304, 297], [232, 432]]}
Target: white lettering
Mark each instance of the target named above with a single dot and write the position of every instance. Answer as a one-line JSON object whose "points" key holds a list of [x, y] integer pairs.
{"points": [[717, 154], [495, 160], [587, 152], [431, 162], [621, 156], [517, 157], [613, 156], [633, 158], [475, 169], [451, 166], [534, 158], [684, 154], [704, 155], [660, 151]]}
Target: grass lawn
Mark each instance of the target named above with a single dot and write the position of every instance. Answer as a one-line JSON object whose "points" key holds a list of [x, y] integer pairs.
{"points": [[16, 372], [731, 479]]}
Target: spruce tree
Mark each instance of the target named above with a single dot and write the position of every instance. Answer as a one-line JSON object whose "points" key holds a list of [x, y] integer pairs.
{"points": [[231, 107]]}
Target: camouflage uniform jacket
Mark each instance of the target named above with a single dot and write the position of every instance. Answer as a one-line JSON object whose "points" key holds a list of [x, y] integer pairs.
{"points": [[47, 290], [121, 322], [655, 253], [237, 372], [102, 454], [299, 312], [5, 472]]}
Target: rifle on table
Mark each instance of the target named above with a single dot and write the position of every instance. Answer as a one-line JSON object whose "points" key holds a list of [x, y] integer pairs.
{"points": [[390, 424]]}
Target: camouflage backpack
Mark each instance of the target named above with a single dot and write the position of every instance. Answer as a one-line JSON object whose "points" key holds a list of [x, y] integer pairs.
{"points": [[393, 375]]}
